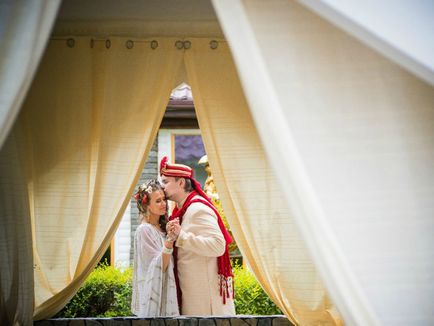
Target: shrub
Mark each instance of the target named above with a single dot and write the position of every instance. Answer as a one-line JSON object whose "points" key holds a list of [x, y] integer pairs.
{"points": [[250, 298], [105, 293]]}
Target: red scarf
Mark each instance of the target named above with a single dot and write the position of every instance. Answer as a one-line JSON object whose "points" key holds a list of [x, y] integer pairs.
{"points": [[223, 262]]}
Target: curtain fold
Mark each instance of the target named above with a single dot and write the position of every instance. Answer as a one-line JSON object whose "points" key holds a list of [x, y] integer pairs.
{"points": [[24, 30], [350, 137], [90, 118], [253, 203], [16, 268], [390, 28]]}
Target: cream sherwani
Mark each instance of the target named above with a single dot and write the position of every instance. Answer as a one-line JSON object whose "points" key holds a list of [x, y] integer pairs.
{"points": [[199, 243]]}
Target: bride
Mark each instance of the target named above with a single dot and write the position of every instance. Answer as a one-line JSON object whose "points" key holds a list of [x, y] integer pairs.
{"points": [[154, 289]]}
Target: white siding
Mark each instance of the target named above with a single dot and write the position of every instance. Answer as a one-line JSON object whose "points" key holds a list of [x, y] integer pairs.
{"points": [[122, 243]]}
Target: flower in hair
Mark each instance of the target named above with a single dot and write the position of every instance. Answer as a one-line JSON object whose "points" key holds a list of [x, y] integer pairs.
{"points": [[145, 198]]}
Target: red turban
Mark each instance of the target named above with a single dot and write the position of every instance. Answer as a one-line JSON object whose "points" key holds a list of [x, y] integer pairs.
{"points": [[175, 170]]}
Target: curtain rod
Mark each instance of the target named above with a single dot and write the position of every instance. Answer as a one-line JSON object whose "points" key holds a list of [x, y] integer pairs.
{"points": [[129, 44]]}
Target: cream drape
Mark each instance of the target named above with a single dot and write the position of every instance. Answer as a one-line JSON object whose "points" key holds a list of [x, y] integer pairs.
{"points": [[401, 30], [90, 119], [24, 30], [351, 138], [16, 268], [253, 203]]}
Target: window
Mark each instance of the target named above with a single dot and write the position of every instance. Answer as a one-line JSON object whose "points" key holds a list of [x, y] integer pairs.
{"points": [[184, 146], [188, 150]]}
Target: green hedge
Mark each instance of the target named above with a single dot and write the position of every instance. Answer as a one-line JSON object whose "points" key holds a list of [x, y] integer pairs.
{"points": [[107, 293], [250, 298]]}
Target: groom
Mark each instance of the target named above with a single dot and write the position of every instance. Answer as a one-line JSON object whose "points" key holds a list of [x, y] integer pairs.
{"points": [[202, 267]]}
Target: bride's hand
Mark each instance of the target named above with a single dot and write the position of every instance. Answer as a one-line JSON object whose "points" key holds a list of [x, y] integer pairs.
{"points": [[173, 229]]}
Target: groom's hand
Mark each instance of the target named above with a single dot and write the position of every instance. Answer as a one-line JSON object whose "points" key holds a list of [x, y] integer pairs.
{"points": [[173, 229]]}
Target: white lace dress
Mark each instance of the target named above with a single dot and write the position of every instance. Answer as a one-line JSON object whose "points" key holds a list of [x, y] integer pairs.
{"points": [[154, 291]]}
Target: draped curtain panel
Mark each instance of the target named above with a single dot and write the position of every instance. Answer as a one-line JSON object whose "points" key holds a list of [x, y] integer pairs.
{"points": [[252, 200], [16, 257], [350, 136], [402, 30], [24, 30], [90, 118]]}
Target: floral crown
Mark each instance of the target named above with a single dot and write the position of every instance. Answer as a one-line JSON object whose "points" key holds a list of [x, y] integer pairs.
{"points": [[146, 193]]}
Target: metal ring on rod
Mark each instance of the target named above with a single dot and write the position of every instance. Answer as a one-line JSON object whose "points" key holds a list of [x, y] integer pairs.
{"points": [[187, 45], [179, 45], [154, 44], [213, 44], [70, 42], [129, 44]]}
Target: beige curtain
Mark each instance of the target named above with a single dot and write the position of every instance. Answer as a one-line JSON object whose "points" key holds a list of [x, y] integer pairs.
{"points": [[24, 30], [90, 119], [16, 268], [400, 30], [253, 202], [350, 136]]}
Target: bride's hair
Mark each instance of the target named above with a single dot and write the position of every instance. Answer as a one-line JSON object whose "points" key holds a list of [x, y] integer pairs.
{"points": [[143, 197]]}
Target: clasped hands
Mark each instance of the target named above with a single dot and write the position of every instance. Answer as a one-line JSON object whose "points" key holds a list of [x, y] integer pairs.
{"points": [[173, 228]]}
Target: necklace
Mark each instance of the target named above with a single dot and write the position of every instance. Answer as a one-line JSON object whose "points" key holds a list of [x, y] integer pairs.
{"points": [[156, 221], [156, 226]]}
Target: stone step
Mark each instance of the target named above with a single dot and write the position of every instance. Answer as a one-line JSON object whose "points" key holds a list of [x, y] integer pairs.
{"points": [[239, 320]]}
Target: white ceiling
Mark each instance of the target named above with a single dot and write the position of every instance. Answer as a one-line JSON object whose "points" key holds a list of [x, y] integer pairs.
{"points": [[138, 18]]}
